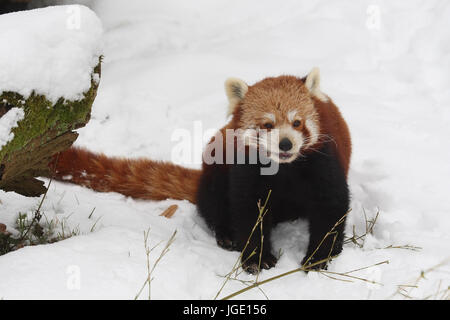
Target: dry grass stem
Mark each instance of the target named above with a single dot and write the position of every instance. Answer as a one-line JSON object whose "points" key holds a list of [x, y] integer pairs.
{"points": [[150, 269], [239, 263]]}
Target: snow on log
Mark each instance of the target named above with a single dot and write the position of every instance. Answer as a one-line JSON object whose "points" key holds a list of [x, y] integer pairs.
{"points": [[49, 75]]}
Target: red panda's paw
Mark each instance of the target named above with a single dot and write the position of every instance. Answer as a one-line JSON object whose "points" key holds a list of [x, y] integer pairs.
{"points": [[226, 243], [253, 265]]}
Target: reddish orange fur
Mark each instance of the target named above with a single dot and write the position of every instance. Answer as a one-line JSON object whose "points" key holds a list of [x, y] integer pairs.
{"points": [[333, 124], [281, 94], [155, 180], [137, 178]]}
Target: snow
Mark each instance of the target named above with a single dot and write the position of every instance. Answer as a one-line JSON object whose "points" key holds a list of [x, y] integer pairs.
{"points": [[384, 63], [51, 51], [7, 122]]}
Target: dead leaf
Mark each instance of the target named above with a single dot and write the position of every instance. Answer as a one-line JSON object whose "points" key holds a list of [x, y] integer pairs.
{"points": [[170, 211]]}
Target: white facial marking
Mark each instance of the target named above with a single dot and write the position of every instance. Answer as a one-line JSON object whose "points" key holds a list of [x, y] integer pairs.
{"points": [[272, 140], [270, 116], [291, 115], [313, 131]]}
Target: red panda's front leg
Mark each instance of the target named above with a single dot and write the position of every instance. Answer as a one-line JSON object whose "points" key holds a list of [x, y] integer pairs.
{"points": [[213, 203], [329, 207], [326, 240], [252, 239]]}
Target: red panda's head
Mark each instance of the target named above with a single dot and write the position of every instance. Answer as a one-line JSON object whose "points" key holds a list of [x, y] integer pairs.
{"points": [[280, 110]]}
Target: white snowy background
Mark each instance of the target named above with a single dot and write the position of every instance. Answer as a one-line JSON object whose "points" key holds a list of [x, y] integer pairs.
{"points": [[385, 64]]}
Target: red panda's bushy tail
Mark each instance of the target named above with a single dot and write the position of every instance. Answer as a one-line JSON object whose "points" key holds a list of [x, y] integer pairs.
{"points": [[137, 178]]}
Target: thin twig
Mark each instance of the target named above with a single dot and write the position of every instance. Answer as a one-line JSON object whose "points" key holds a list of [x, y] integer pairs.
{"points": [[324, 272], [239, 262], [341, 220], [150, 270]]}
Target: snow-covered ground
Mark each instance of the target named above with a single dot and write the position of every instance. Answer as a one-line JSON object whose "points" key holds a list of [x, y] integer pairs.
{"points": [[384, 63]]}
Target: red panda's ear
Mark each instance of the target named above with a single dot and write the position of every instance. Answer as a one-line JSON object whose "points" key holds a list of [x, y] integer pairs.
{"points": [[235, 90], [312, 83]]}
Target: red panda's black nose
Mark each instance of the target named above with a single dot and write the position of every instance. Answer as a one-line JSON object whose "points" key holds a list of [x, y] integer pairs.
{"points": [[285, 144]]}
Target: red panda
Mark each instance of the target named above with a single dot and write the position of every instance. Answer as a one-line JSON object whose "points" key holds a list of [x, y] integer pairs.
{"points": [[311, 148]]}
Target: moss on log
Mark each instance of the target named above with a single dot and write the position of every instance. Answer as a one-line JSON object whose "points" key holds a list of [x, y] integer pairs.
{"points": [[46, 130]]}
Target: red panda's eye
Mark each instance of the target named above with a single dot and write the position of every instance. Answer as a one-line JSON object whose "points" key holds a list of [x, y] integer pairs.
{"points": [[296, 123], [268, 125]]}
